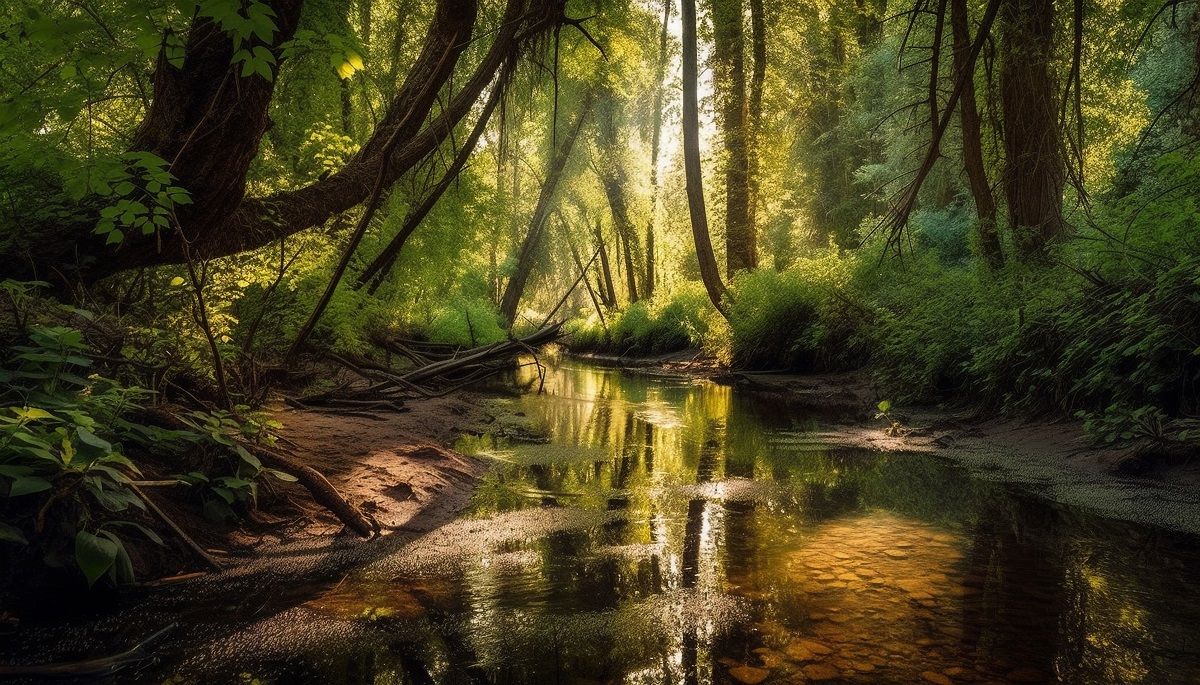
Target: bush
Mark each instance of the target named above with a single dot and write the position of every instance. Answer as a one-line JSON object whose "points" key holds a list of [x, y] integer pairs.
{"points": [[792, 319], [467, 323], [657, 326]]}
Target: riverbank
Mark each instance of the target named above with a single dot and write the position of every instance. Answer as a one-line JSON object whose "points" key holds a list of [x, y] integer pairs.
{"points": [[851, 400], [400, 469]]}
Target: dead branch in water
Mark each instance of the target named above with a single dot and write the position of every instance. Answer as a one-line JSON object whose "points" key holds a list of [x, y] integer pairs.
{"points": [[437, 370]]}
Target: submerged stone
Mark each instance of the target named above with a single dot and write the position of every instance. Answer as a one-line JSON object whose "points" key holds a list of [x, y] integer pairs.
{"points": [[748, 674]]}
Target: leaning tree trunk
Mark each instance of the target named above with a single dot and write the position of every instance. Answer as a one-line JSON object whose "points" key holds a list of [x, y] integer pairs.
{"points": [[608, 294], [1033, 172], [540, 219], [709, 271], [972, 139], [729, 80], [207, 121]]}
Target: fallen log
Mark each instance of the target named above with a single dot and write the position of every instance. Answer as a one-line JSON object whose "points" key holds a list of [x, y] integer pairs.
{"points": [[321, 490], [479, 355]]}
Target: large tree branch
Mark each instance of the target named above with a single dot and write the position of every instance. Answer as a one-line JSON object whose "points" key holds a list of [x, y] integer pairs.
{"points": [[208, 121]]}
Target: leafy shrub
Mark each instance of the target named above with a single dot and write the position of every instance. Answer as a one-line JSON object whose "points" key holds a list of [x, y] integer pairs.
{"points": [[63, 439], [466, 322], [657, 326], [788, 318]]}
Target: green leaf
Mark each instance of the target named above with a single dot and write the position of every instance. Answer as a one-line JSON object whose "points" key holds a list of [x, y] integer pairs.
{"points": [[122, 565], [151, 535], [95, 555], [280, 475], [89, 438], [27, 485], [33, 413], [14, 471], [177, 281], [885, 405], [247, 457], [12, 534]]}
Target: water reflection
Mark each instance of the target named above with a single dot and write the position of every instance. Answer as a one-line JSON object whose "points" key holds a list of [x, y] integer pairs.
{"points": [[678, 532]]}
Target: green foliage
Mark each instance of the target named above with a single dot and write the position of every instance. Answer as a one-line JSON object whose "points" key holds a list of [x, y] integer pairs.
{"points": [[664, 324], [146, 194], [222, 435], [467, 323], [785, 319], [63, 441]]}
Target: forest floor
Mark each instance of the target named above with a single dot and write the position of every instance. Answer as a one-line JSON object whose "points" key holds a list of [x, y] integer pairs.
{"points": [[396, 467]]}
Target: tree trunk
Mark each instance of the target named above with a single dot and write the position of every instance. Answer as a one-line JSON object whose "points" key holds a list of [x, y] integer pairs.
{"points": [[378, 269], [972, 139], [607, 293], [655, 145], [1033, 172], [709, 271], [758, 37], [611, 169], [207, 121], [541, 214], [729, 80]]}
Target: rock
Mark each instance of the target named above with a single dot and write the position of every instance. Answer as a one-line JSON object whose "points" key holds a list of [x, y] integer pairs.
{"points": [[748, 674], [1026, 674], [770, 658], [936, 678], [819, 672], [864, 666], [799, 654], [816, 647]]}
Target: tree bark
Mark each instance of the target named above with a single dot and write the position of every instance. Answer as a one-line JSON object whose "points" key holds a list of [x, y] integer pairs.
{"points": [[541, 214], [1033, 172], [729, 80], [611, 169], [972, 139], [709, 271], [655, 145], [758, 75], [607, 293]]}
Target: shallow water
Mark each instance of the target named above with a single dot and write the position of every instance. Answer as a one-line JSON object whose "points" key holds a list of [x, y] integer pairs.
{"points": [[675, 531]]}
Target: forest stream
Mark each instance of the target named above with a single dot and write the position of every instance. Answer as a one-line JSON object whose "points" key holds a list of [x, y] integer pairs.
{"points": [[639, 529]]}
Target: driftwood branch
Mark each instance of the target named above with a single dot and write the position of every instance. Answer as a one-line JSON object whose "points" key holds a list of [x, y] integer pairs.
{"points": [[321, 490]]}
